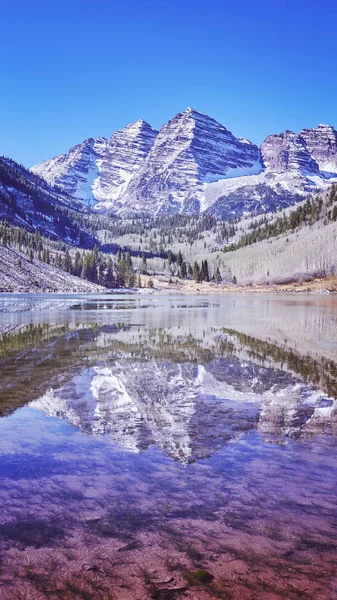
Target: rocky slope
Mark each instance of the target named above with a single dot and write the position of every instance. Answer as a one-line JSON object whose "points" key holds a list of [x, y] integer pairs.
{"points": [[191, 150], [194, 164], [288, 152], [321, 142], [97, 169], [18, 274]]}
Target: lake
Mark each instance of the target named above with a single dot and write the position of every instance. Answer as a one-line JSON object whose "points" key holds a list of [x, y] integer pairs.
{"points": [[168, 446]]}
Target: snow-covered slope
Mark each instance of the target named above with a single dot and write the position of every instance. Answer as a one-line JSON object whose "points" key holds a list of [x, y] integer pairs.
{"points": [[125, 152], [194, 164], [97, 169], [295, 166]]}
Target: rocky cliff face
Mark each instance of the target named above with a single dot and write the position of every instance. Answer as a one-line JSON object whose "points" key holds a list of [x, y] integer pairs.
{"points": [[288, 152], [190, 150], [124, 153], [194, 164], [98, 168], [321, 142]]}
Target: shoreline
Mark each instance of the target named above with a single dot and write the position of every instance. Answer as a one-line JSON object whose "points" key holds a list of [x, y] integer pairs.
{"points": [[327, 285]]}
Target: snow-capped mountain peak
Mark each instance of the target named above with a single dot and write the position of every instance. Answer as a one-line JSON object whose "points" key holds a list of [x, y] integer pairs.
{"points": [[190, 150], [98, 168], [194, 164]]}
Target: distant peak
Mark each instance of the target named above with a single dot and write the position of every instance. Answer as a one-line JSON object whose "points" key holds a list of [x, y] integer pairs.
{"points": [[88, 140], [323, 126], [134, 129], [138, 124], [191, 111]]}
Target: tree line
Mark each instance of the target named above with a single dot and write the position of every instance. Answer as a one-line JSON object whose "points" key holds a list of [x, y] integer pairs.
{"points": [[308, 213], [91, 265]]}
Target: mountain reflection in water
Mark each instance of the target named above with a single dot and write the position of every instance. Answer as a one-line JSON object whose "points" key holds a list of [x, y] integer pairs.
{"points": [[167, 458]]}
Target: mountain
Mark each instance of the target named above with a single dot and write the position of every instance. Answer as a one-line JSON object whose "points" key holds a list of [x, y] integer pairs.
{"points": [[192, 165], [190, 151], [98, 169], [295, 165], [321, 142], [288, 152]]}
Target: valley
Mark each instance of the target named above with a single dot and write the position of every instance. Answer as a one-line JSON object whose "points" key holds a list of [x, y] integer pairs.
{"points": [[190, 203]]}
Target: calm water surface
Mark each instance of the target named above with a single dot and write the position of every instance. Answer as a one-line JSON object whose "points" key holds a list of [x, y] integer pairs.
{"points": [[168, 447]]}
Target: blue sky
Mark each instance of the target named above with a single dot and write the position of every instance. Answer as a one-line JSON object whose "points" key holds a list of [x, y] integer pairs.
{"points": [[71, 69]]}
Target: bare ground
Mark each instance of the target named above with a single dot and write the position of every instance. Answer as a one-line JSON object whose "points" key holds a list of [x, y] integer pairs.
{"points": [[318, 286]]}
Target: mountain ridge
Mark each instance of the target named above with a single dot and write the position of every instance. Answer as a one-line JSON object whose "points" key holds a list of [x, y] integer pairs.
{"points": [[194, 164]]}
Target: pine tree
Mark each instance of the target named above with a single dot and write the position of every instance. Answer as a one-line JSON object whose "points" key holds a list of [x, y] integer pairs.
{"points": [[67, 262], [196, 272], [4, 235], [109, 280], [78, 264], [101, 273], [204, 271], [144, 265]]}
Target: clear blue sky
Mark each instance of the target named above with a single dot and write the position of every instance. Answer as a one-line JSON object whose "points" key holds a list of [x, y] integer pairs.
{"points": [[71, 69]]}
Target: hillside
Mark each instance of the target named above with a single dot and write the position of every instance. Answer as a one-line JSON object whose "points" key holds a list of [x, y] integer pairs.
{"points": [[29, 201], [19, 274], [295, 244]]}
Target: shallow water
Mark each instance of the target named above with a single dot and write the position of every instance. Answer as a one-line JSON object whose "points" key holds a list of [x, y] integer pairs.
{"points": [[168, 447]]}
